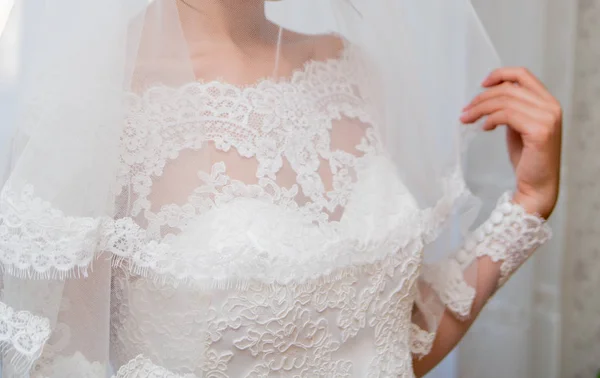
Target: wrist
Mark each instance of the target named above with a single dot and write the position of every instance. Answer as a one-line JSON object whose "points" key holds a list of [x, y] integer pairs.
{"points": [[514, 231], [540, 203]]}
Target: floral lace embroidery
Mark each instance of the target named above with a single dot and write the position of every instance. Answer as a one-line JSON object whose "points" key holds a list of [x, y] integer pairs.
{"points": [[446, 278], [36, 239], [269, 122], [293, 330], [141, 367], [510, 235], [421, 340]]}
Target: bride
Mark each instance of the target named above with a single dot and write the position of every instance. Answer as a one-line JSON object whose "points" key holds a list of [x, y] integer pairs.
{"points": [[197, 190]]}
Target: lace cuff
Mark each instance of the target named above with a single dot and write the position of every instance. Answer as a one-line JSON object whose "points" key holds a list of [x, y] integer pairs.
{"points": [[510, 235], [421, 341]]}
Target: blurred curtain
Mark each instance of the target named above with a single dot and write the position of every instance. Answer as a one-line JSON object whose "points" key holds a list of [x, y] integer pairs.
{"points": [[581, 287], [519, 333], [9, 65]]}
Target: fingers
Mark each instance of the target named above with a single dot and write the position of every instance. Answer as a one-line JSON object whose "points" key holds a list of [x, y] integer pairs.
{"points": [[521, 123], [520, 76], [505, 117], [505, 110], [508, 90]]}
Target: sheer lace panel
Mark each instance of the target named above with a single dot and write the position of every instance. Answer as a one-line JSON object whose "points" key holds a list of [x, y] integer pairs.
{"points": [[302, 139]]}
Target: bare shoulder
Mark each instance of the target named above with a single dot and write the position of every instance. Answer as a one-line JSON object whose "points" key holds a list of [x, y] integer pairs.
{"points": [[317, 47], [328, 46]]}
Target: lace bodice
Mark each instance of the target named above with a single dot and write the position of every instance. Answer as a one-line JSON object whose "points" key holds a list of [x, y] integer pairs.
{"points": [[293, 218]]}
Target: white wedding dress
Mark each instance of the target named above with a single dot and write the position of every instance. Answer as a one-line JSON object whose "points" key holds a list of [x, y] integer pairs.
{"points": [[296, 252], [298, 193]]}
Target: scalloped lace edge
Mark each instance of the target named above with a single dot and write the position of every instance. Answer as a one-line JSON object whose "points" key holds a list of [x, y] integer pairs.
{"points": [[22, 327], [421, 341], [142, 367]]}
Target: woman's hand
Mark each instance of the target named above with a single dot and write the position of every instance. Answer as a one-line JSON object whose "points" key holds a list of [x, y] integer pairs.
{"points": [[516, 98]]}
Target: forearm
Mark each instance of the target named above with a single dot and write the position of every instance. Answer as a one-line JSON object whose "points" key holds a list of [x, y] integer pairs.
{"points": [[452, 329], [465, 282]]}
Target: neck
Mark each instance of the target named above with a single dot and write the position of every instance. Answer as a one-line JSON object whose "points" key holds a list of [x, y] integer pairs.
{"points": [[235, 21]]}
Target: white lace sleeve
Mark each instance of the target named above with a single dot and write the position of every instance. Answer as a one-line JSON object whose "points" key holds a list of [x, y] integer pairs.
{"points": [[509, 237]]}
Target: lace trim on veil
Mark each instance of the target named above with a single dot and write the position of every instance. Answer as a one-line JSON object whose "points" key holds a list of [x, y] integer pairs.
{"points": [[22, 336], [38, 241]]}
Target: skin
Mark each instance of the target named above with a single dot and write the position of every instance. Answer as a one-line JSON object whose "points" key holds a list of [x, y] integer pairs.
{"points": [[513, 98], [235, 40]]}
